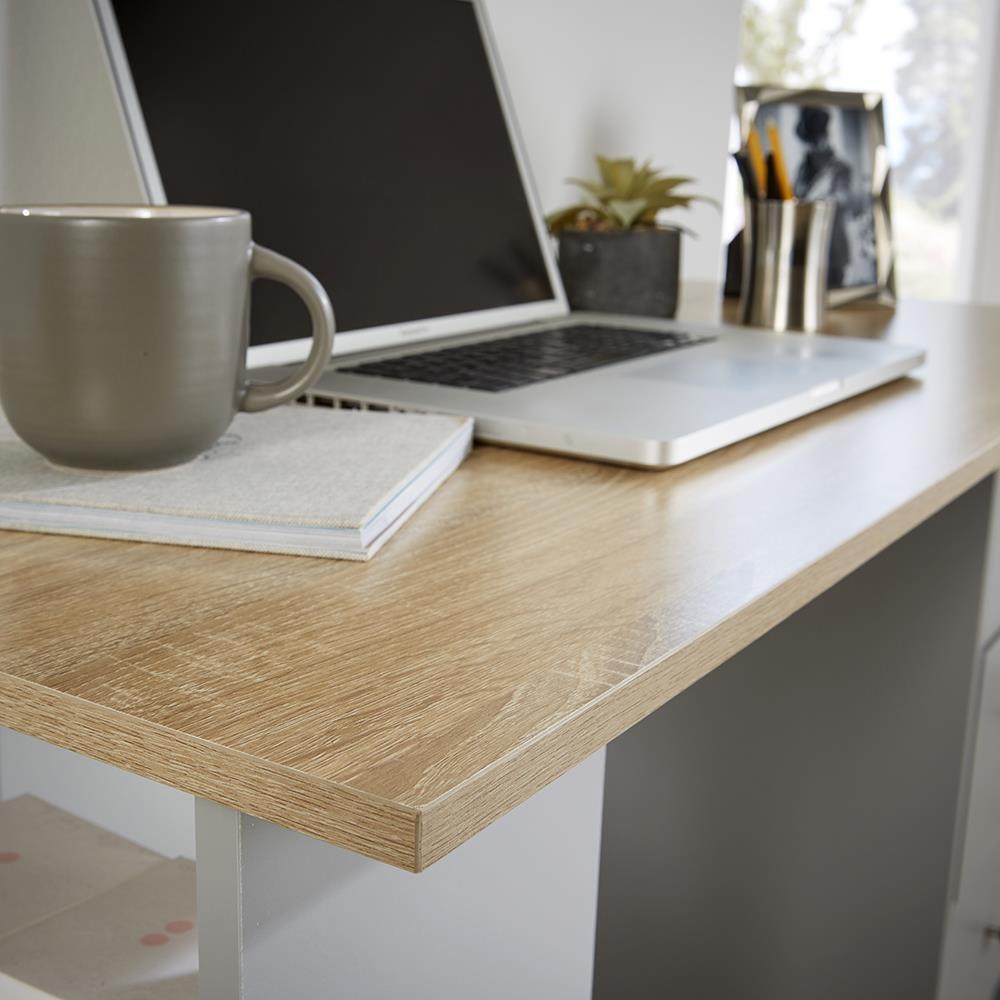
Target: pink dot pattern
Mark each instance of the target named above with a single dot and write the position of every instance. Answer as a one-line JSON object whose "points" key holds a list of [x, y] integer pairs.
{"points": [[8, 857], [156, 939]]}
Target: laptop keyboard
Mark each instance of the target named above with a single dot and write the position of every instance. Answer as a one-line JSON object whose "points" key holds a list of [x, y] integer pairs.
{"points": [[527, 358]]}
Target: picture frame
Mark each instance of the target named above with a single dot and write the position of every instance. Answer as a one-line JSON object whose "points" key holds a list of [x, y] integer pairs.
{"points": [[834, 146]]}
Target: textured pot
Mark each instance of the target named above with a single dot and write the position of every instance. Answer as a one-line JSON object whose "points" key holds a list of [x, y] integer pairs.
{"points": [[629, 271]]}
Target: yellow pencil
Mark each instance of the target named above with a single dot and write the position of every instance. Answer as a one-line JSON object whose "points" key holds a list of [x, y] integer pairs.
{"points": [[755, 156], [780, 170]]}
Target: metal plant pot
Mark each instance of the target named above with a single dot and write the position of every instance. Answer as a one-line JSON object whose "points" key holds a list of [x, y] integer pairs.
{"points": [[622, 271]]}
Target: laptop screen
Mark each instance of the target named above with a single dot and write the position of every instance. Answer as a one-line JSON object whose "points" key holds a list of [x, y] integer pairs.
{"points": [[367, 139]]}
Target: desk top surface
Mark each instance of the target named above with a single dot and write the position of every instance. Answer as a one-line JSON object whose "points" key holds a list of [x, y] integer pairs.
{"points": [[533, 610]]}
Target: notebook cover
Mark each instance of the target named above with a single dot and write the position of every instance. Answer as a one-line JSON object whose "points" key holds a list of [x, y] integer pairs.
{"points": [[294, 466]]}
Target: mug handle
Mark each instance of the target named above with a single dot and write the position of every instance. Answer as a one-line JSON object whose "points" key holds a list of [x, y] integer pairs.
{"points": [[268, 264]]}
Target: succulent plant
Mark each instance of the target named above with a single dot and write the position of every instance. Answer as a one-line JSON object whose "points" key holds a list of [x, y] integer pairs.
{"points": [[628, 195]]}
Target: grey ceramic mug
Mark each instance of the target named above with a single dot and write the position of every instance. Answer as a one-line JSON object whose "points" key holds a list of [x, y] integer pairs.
{"points": [[123, 330]]}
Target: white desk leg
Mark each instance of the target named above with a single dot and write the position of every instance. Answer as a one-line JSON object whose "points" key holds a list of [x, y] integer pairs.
{"points": [[218, 843], [510, 914]]}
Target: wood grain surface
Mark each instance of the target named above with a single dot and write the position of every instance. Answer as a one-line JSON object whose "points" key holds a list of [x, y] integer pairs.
{"points": [[533, 610]]}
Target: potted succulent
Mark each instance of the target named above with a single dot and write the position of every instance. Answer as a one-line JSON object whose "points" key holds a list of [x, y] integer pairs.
{"points": [[615, 252]]}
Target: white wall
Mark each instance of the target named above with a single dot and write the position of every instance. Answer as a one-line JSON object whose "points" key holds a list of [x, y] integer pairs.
{"points": [[625, 78]]}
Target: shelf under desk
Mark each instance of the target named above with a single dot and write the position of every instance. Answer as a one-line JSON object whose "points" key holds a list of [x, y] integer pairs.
{"points": [[535, 609]]}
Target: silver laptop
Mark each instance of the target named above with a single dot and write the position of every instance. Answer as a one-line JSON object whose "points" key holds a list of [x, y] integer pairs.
{"points": [[374, 141]]}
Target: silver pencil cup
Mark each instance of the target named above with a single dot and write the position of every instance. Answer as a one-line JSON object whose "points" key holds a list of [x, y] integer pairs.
{"points": [[786, 248]]}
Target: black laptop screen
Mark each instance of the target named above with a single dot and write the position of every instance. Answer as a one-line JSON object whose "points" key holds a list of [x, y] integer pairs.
{"points": [[366, 138]]}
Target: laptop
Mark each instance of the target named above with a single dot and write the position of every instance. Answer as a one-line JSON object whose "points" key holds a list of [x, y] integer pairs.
{"points": [[374, 142]]}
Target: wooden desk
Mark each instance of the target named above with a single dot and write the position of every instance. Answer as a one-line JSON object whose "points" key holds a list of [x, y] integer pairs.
{"points": [[537, 608]]}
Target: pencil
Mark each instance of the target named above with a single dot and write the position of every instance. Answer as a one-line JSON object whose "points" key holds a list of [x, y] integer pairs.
{"points": [[780, 170], [755, 155]]}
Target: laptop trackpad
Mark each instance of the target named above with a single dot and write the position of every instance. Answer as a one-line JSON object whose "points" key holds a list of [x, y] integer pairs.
{"points": [[790, 365], [743, 373]]}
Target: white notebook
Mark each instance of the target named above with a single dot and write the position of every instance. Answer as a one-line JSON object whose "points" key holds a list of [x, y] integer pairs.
{"points": [[297, 480]]}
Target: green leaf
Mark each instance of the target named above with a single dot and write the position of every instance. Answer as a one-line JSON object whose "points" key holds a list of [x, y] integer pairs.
{"points": [[664, 184], [641, 180], [604, 168], [617, 175], [599, 191], [662, 201], [629, 193], [627, 211]]}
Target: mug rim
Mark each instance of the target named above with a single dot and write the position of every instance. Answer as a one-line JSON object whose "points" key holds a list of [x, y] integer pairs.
{"points": [[124, 212]]}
